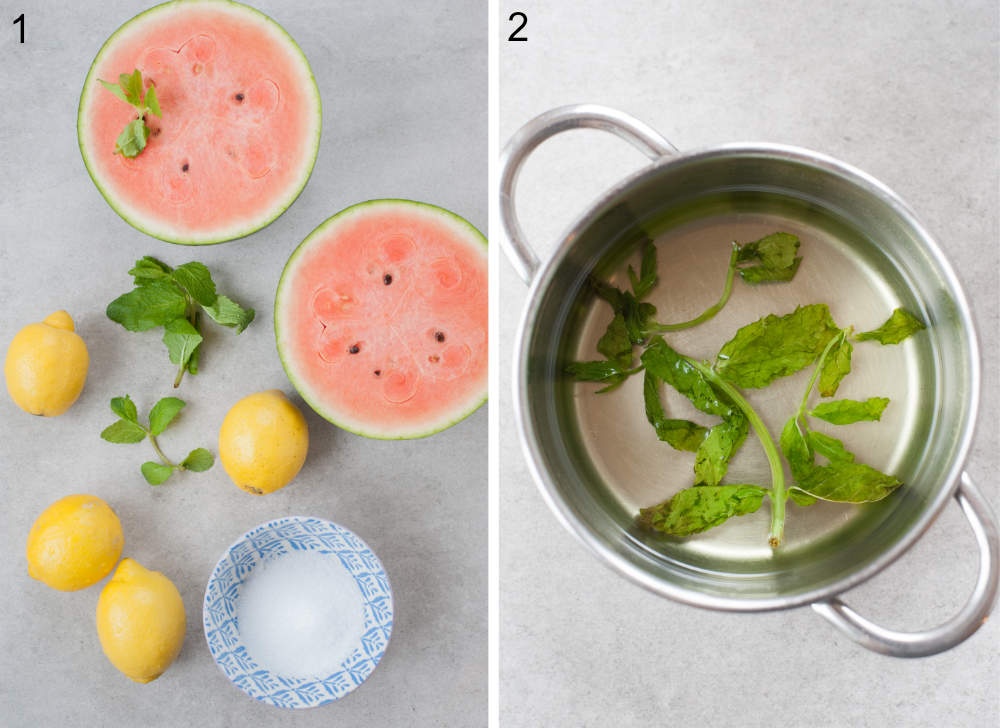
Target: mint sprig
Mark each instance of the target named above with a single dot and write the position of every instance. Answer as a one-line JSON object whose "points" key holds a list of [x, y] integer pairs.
{"points": [[174, 299], [128, 430], [133, 138]]}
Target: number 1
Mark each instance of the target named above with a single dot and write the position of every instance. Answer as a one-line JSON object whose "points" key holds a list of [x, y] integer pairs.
{"points": [[19, 20]]}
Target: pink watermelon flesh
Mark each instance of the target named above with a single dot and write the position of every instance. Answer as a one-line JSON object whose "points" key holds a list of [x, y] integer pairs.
{"points": [[382, 319], [240, 124]]}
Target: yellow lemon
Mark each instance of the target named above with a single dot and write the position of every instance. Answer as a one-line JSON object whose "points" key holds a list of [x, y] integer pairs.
{"points": [[263, 442], [46, 366], [140, 621], [74, 543]]}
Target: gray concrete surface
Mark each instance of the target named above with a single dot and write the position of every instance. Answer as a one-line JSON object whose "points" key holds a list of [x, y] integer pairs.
{"points": [[906, 91], [404, 100]]}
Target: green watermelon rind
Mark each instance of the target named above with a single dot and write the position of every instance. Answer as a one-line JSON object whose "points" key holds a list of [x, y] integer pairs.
{"points": [[300, 388], [90, 84]]}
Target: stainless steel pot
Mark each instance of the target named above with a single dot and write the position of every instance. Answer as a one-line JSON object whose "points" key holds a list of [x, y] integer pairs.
{"points": [[862, 237]]}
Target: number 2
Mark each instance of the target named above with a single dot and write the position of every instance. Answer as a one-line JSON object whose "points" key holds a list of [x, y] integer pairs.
{"points": [[19, 20], [518, 29]]}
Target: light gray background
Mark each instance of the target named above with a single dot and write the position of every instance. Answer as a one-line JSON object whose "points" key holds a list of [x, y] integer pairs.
{"points": [[404, 94], [908, 92]]}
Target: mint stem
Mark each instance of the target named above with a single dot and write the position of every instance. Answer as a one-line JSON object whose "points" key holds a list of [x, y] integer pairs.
{"points": [[767, 442], [166, 461], [192, 317], [709, 312], [819, 367]]}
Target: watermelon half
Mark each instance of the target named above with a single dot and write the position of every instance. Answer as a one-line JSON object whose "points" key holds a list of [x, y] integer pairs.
{"points": [[381, 319], [240, 127]]}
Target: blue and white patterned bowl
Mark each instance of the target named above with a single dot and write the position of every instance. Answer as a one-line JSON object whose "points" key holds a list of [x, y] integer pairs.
{"points": [[269, 542]]}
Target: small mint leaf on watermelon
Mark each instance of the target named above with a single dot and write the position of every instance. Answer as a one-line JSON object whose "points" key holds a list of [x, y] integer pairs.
{"points": [[133, 138], [151, 102], [227, 312], [131, 84], [115, 89]]}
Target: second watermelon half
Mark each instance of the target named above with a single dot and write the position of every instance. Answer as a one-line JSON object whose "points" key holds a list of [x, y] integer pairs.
{"points": [[381, 319]]}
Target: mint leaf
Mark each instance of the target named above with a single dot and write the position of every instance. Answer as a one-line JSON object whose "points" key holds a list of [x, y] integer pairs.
{"points": [[163, 413], [676, 371], [830, 447], [124, 407], [198, 460], [647, 278], [227, 312], [152, 103], [835, 368], [847, 411], [148, 306], [712, 458], [115, 89], [775, 346], [776, 254], [194, 278], [615, 344], [131, 84], [123, 432], [149, 268], [800, 497], [900, 325], [182, 340], [679, 434], [155, 473], [698, 509], [796, 449], [192, 365], [846, 482], [595, 371], [133, 138]]}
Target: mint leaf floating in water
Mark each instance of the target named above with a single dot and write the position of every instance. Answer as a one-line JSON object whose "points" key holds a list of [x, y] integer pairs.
{"points": [[698, 509], [679, 434], [174, 298], [133, 137], [848, 411], [128, 430], [776, 346], [901, 325], [775, 256]]}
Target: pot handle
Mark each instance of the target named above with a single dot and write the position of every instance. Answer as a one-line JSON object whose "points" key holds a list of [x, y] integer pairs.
{"points": [[529, 136], [955, 630]]}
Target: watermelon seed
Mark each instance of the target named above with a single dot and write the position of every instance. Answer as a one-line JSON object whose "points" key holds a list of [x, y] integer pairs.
{"points": [[387, 279], [433, 358], [354, 349], [439, 336], [185, 167], [378, 372], [239, 98]]}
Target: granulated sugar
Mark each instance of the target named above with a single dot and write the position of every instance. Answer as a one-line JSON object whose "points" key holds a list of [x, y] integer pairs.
{"points": [[300, 614]]}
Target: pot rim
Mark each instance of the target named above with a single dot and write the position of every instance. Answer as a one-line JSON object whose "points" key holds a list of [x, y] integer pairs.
{"points": [[567, 516]]}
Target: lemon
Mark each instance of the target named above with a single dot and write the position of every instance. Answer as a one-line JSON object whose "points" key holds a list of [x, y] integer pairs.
{"points": [[46, 366], [140, 621], [74, 543], [263, 442]]}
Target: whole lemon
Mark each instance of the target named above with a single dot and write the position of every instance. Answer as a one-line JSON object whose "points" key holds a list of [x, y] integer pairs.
{"points": [[263, 442], [74, 543], [46, 366], [140, 621]]}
